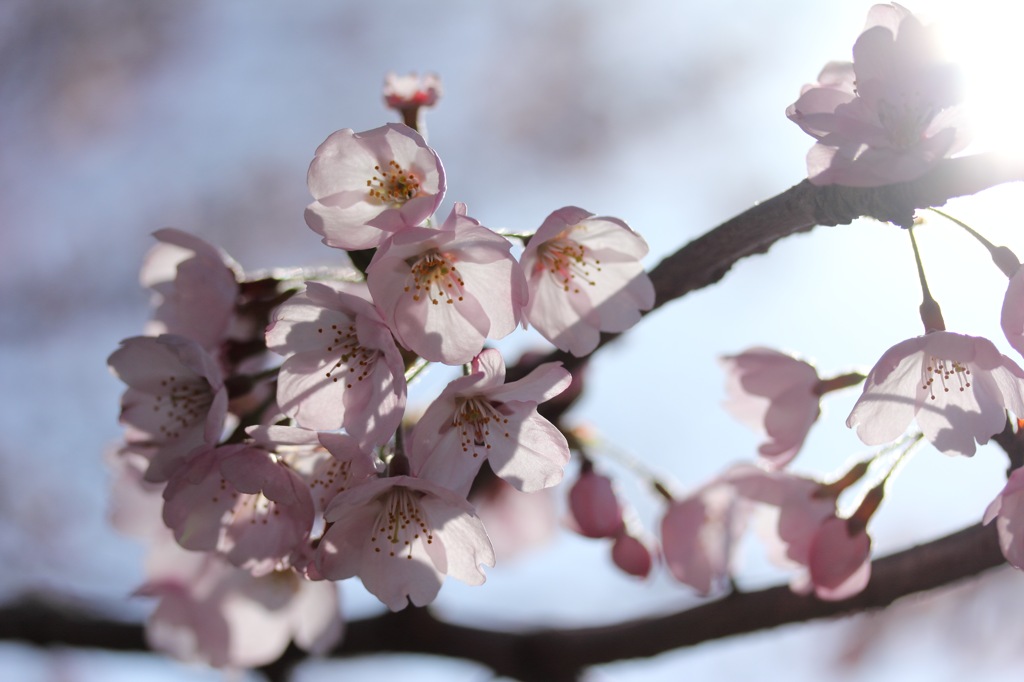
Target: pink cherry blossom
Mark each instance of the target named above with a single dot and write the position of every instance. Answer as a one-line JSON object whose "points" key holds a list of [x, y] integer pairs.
{"points": [[479, 417], [211, 612], [329, 463], [194, 288], [594, 506], [839, 563], [890, 115], [175, 402], [1007, 510], [773, 393], [1012, 316], [342, 367], [698, 534], [411, 91], [833, 557], [239, 501], [371, 184], [585, 278], [957, 387], [445, 291], [401, 536]]}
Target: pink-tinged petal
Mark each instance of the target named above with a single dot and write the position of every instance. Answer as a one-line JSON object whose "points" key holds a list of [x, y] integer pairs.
{"points": [[491, 366], [1007, 509], [195, 503], [686, 558], [840, 563], [594, 506], [340, 552], [891, 394], [542, 384], [454, 527], [537, 456], [631, 555], [1012, 316], [316, 617]]}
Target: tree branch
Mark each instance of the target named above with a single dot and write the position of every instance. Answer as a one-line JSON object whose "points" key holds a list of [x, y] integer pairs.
{"points": [[706, 259], [560, 655]]}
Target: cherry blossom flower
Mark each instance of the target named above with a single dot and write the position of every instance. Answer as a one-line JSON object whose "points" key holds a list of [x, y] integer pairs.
{"points": [[194, 288], [479, 417], [773, 393], [175, 402], [211, 612], [371, 184], [239, 501], [833, 552], [1007, 510], [839, 562], [445, 291], [585, 278], [890, 115], [698, 534], [329, 463], [342, 367], [401, 536], [957, 387]]}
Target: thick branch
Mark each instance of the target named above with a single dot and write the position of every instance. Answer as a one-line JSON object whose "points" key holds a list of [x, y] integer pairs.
{"points": [[554, 655], [706, 259]]}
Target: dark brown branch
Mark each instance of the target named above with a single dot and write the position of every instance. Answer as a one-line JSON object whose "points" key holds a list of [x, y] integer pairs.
{"points": [[706, 259], [555, 655]]}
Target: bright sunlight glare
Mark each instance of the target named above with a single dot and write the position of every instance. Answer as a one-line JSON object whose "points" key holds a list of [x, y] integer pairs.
{"points": [[984, 38]]}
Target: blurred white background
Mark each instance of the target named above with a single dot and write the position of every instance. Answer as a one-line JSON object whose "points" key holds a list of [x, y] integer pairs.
{"points": [[118, 118]]}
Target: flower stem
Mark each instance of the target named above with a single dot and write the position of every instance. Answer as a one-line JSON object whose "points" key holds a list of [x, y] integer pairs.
{"points": [[931, 314], [1005, 259], [836, 383]]}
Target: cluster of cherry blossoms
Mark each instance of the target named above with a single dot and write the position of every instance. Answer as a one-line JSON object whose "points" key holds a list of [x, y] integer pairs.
{"points": [[270, 448], [267, 437]]}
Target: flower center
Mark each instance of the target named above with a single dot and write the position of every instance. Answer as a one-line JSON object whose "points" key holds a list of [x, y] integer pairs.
{"points": [[474, 417], [182, 405], [567, 261], [393, 184], [434, 272], [358, 359], [946, 375], [399, 524]]}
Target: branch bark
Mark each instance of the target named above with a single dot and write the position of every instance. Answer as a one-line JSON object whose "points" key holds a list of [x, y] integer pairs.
{"points": [[552, 655], [707, 259]]}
